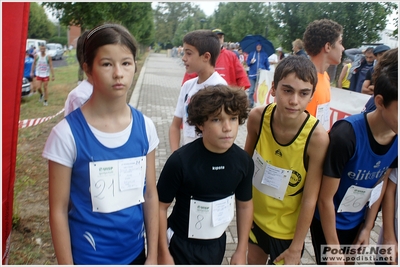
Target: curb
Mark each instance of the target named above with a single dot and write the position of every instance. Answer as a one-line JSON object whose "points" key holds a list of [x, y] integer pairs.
{"points": [[136, 91]]}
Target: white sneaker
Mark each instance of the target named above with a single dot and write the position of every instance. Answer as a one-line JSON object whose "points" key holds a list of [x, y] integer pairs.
{"points": [[41, 98], [45, 103]]}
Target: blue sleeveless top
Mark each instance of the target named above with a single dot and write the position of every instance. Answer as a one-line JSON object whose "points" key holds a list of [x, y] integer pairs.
{"points": [[364, 169], [103, 238]]}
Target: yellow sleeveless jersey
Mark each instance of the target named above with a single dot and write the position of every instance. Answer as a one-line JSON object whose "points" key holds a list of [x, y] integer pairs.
{"points": [[278, 218]]}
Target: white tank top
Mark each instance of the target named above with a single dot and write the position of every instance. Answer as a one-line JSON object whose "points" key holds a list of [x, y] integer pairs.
{"points": [[42, 66]]}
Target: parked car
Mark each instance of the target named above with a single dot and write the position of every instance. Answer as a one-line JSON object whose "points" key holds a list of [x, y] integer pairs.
{"points": [[26, 87], [54, 50]]}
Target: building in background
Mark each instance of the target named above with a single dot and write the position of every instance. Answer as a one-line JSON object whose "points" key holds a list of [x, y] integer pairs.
{"points": [[73, 34], [388, 39]]}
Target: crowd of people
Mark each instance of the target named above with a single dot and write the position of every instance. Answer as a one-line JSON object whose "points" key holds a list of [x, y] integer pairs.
{"points": [[293, 175]]}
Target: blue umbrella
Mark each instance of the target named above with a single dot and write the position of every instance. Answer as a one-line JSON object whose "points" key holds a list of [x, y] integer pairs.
{"points": [[249, 43]]}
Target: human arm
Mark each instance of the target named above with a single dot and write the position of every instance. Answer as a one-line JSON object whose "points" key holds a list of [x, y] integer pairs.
{"points": [[363, 236], [150, 209], [51, 68], [388, 216], [367, 88], [342, 76], [164, 256], [327, 212], [242, 80], [253, 126], [316, 151], [33, 66], [244, 220], [352, 53], [59, 190], [250, 58], [175, 133]]}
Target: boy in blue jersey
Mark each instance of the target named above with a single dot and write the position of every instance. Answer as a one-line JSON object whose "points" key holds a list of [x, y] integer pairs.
{"points": [[362, 149]]}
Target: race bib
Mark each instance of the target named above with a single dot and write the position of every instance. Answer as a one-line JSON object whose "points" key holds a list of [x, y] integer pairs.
{"points": [[209, 220], [268, 179], [117, 184], [323, 115]]}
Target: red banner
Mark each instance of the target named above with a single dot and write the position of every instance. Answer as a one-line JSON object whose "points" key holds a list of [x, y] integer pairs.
{"points": [[15, 18]]}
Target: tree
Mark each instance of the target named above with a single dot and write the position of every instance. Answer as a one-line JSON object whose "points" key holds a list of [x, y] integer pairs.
{"points": [[137, 17], [238, 19], [362, 21], [39, 26], [169, 17]]}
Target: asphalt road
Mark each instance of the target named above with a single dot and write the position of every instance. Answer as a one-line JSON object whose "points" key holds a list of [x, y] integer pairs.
{"points": [[61, 62]]}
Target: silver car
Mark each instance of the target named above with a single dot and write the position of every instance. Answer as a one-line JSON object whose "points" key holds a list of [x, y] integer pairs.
{"points": [[54, 50], [26, 87]]}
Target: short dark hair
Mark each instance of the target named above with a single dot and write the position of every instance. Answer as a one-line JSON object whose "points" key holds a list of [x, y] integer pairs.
{"points": [[320, 32], [302, 67], [386, 77], [106, 34], [210, 101], [204, 41], [79, 48]]}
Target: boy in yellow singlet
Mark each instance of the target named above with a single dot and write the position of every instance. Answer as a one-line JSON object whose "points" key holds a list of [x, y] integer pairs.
{"points": [[288, 146]]}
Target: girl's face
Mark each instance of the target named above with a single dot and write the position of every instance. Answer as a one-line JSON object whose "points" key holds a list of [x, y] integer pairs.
{"points": [[113, 70]]}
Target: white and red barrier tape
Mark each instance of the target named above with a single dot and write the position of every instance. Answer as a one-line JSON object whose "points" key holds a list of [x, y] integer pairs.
{"points": [[33, 122]]}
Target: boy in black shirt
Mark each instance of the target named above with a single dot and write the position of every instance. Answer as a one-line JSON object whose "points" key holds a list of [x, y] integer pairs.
{"points": [[205, 177]]}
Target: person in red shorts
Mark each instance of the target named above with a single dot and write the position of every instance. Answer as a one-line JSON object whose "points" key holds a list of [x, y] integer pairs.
{"points": [[42, 67]]}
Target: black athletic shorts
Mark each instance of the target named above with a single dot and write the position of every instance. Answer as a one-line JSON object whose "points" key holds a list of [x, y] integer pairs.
{"points": [[186, 252], [346, 237], [270, 245]]}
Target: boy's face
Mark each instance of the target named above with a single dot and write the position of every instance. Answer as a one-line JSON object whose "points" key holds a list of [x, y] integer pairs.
{"points": [[193, 62], [220, 131], [292, 96], [335, 54]]}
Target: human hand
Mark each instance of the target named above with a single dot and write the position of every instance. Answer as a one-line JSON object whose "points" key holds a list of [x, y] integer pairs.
{"points": [[238, 258], [288, 257], [165, 259]]}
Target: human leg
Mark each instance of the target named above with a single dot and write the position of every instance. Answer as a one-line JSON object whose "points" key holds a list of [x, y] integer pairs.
{"points": [[251, 92], [256, 255], [346, 237], [45, 85], [39, 88]]}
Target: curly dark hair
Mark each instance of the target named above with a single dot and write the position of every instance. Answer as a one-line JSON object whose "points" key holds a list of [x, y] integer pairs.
{"points": [[210, 101], [320, 32]]}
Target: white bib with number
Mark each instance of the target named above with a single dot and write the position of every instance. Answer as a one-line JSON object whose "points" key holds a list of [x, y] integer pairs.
{"points": [[209, 220], [117, 184], [268, 179], [323, 115], [356, 197]]}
